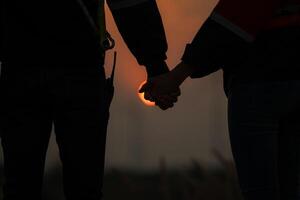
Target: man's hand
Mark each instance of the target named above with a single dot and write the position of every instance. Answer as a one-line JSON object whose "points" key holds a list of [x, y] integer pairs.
{"points": [[164, 89]]}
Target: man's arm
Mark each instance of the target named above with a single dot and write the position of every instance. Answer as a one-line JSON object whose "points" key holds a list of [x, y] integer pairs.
{"points": [[141, 27]]}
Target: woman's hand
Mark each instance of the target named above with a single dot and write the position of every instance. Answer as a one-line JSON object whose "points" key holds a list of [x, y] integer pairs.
{"points": [[164, 89]]}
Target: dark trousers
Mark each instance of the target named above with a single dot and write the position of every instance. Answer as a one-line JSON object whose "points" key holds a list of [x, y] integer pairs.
{"points": [[71, 97], [264, 128]]}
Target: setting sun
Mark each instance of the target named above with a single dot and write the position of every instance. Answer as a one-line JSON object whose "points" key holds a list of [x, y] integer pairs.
{"points": [[141, 96]]}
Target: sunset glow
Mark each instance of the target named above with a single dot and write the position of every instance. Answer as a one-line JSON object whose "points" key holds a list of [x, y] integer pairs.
{"points": [[142, 98]]}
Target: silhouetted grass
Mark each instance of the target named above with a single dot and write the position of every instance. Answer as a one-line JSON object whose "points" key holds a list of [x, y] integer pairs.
{"points": [[194, 183]]}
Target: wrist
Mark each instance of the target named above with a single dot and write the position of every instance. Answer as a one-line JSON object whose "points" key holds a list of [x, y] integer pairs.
{"points": [[181, 72], [156, 68]]}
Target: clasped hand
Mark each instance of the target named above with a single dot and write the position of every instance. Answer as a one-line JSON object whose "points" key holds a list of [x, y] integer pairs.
{"points": [[164, 89]]}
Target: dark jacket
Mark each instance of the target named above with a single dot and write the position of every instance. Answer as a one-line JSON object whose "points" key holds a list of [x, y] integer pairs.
{"points": [[57, 31], [234, 39]]}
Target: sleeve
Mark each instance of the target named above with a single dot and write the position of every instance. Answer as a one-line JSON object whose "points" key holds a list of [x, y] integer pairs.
{"points": [[213, 48], [141, 27]]}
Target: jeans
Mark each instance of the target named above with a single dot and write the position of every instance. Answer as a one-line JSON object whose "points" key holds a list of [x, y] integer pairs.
{"points": [[264, 127], [32, 99]]}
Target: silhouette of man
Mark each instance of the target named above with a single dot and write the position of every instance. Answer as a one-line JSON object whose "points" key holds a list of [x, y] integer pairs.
{"points": [[52, 72], [257, 44]]}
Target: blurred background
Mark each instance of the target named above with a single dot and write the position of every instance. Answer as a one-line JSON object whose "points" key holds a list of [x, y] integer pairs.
{"points": [[182, 153]]}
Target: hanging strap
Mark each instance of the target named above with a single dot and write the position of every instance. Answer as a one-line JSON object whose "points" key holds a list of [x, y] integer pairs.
{"points": [[103, 37], [102, 24]]}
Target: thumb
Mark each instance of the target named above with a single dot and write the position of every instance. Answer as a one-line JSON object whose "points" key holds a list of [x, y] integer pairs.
{"points": [[145, 87]]}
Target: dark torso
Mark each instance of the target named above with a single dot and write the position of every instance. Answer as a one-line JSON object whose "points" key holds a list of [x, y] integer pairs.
{"points": [[48, 30], [273, 56]]}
